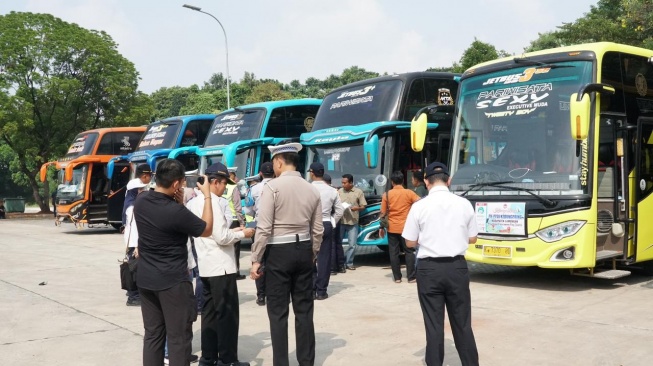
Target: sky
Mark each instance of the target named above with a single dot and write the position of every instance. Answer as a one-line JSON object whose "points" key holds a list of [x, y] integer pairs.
{"points": [[291, 40]]}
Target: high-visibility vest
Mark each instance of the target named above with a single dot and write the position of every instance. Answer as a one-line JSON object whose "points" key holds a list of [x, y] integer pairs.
{"points": [[228, 193]]}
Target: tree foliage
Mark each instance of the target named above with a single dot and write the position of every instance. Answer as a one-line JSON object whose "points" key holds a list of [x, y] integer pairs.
{"points": [[57, 80]]}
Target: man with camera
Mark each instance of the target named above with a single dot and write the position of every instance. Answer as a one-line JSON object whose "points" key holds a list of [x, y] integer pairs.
{"points": [[218, 273]]}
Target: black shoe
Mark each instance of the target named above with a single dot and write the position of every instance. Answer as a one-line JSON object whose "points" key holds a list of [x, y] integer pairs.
{"points": [[322, 297], [194, 358], [237, 363], [351, 268], [241, 277], [342, 270], [260, 300], [132, 302], [207, 362]]}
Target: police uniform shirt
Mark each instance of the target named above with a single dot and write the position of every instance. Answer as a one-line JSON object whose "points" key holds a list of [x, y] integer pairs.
{"points": [[330, 200], [441, 223], [215, 254], [163, 229], [295, 208]]}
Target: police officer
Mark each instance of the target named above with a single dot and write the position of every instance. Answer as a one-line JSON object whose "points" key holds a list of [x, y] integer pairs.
{"points": [[290, 208], [444, 225]]}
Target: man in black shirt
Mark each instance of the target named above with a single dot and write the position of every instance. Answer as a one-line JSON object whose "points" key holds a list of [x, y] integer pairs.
{"points": [[167, 298]]}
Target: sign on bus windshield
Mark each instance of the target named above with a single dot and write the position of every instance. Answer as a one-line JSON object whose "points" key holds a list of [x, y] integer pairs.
{"points": [[235, 126], [82, 145], [359, 105], [160, 136]]}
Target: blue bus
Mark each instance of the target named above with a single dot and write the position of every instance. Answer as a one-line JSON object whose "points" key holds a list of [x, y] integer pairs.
{"points": [[239, 136], [160, 139], [363, 129]]}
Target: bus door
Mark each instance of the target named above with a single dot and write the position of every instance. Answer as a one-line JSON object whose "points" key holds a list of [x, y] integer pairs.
{"points": [[643, 187], [117, 192]]}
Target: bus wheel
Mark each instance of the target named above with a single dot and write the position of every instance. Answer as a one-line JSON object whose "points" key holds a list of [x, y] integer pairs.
{"points": [[384, 248], [645, 268]]}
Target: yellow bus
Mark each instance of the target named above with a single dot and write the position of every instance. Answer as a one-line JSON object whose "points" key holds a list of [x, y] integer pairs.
{"points": [[554, 149], [85, 194]]}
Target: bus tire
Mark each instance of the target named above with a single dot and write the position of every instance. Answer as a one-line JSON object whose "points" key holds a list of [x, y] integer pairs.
{"points": [[384, 248]]}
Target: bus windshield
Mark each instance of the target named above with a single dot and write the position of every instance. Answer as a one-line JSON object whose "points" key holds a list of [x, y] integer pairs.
{"points": [[82, 145], [235, 126], [74, 190], [160, 136], [375, 102], [346, 159], [513, 127]]}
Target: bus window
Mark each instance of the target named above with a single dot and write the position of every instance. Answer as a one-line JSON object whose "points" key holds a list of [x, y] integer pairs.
{"points": [[425, 92], [290, 121], [196, 132], [118, 143]]}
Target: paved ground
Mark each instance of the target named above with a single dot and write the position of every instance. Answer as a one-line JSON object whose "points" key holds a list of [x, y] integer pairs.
{"points": [[61, 304]]}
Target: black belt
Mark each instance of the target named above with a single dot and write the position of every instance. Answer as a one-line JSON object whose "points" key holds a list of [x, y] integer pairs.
{"points": [[443, 259]]}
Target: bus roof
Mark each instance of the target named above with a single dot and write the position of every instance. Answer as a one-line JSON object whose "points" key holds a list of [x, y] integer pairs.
{"points": [[278, 104], [187, 118], [403, 77], [598, 48]]}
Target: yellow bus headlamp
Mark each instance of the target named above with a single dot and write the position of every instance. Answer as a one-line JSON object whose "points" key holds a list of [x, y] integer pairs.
{"points": [[559, 231]]}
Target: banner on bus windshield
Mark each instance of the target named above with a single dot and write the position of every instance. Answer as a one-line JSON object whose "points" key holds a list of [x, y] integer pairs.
{"points": [[501, 218]]}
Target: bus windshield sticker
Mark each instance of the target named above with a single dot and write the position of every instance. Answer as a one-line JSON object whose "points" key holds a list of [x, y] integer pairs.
{"points": [[507, 218], [78, 145], [584, 167], [155, 136], [444, 97], [228, 128], [525, 76]]}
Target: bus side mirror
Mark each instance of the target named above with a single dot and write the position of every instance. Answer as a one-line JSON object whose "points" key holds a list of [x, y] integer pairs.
{"points": [[418, 131], [44, 171], [68, 173], [371, 151], [579, 112], [110, 167]]}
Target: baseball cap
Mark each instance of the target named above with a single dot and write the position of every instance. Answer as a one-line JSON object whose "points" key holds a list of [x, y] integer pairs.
{"points": [[316, 167], [435, 168], [135, 183], [218, 170], [267, 169], [143, 169]]}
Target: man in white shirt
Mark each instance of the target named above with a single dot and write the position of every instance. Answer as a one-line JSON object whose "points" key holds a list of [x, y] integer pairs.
{"points": [[330, 203], [217, 266], [444, 225], [130, 233]]}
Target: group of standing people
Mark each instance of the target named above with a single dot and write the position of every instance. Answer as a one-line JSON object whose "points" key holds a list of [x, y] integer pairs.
{"points": [[299, 226]]}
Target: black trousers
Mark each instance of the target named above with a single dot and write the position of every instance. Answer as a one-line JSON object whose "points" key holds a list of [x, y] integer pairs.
{"points": [[323, 267], [337, 253], [168, 313], [220, 317], [235, 224], [396, 244], [260, 282], [289, 275], [440, 282]]}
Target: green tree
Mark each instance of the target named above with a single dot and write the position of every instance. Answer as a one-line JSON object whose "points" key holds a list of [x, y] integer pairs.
{"points": [[476, 53], [266, 92], [169, 101], [623, 21], [57, 80], [199, 103]]}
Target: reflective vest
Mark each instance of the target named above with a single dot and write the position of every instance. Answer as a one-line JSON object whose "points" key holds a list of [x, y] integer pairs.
{"points": [[228, 193]]}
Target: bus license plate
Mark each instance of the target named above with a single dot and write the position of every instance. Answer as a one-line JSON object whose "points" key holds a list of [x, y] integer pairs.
{"points": [[498, 252]]}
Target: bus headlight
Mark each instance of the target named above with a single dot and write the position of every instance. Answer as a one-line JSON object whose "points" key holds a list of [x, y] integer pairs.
{"points": [[559, 231]]}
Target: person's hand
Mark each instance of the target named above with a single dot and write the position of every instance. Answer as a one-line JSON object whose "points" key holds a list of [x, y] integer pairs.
{"points": [[204, 187], [135, 252], [179, 195], [381, 233], [249, 232], [253, 272]]}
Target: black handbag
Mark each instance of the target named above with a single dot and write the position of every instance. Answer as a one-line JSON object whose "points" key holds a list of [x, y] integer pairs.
{"points": [[128, 274]]}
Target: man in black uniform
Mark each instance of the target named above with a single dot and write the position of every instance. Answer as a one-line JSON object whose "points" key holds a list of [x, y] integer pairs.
{"points": [[167, 298], [291, 209]]}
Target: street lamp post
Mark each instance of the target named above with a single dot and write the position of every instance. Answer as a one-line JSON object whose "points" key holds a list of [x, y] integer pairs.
{"points": [[226, 46]]}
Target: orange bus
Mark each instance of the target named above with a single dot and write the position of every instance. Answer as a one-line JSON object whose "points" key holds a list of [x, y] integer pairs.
{"points": [[85, 194]]}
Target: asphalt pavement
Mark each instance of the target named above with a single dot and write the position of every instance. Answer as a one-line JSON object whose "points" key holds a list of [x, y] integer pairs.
{"points": [[61, 304]]}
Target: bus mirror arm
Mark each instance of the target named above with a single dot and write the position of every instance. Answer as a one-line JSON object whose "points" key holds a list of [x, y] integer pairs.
{"points": [[594, 87]]}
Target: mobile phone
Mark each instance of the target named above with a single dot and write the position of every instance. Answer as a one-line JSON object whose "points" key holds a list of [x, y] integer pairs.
{"points": [[200, 180]]}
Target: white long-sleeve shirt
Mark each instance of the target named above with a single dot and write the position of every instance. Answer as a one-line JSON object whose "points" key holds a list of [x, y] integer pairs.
{"points": [[330, 201], [215, 254]]}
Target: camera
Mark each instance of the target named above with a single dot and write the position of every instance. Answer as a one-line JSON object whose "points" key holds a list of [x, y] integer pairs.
{"points": [[200, 180]]}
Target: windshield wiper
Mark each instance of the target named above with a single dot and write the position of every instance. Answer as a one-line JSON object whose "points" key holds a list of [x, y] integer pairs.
{"points": [[246, 111], [527, 61], [545, 201], [474, 187]]}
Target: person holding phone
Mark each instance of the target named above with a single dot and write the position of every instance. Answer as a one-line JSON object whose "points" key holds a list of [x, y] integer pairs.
{"points": [[218, 272]]}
